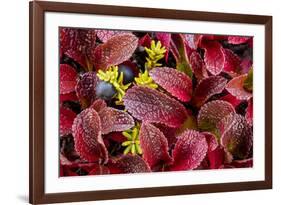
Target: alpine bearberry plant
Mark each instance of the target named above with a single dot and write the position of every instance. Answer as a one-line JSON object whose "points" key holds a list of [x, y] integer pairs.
{"points": [[134, 102]]}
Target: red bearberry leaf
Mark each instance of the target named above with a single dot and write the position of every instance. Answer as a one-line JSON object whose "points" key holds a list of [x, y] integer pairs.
{"points": [[207, 88], [232, 61], [116, 50], [213, 57], [198, 66], [235, 88], [249, 112], [237, 39], [113, 120], [231, 99], [98, 105], [66, 119], [86, 131], [212, 112], [104, 35], [165, 39], [175, 82], [86, 88], [128, 164], [153, 106], [154, 146], [189, 151], [67, 79], [236, 135]]}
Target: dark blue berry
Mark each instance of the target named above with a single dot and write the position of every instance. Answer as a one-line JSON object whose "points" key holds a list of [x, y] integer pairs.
{"points": [[128, 74], [105, 90]]}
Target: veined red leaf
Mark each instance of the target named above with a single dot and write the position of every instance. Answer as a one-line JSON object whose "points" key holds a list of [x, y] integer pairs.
{"points": [[212, 112], [198, 66], [66, 119], [232, 61], [190, 150], [236, 135], [128, 164], [235, 88], [151, 105], [165, 39], [211, 140], [86, 131], [104, 35], [216, 158], [114, 120], [207, 88], [175, 82], [86, 88], [68, 77], [98, 169], [213, 57], [154, 146], [237, 39], [116, 50], [98, 105], [245, 163]]}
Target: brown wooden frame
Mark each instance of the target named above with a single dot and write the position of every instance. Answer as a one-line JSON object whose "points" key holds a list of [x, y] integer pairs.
{"points": [[36, 172]]}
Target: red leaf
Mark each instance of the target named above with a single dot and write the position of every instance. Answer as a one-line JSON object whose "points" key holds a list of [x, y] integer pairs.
{"points": [[236, 135], [169, 133], [216, 158], [189, 151], [231, 99], [246, 65], [87, 136], [212, 112], [232, 61], [237, 39], [165, 39], [153, 106], [68, 97], [154, 146], [113, 120], [67, 79], [145, 41], [97, 169], [211, 140], [207, 88], [98, 105], [198, 66], [235, 88], [116, 50], [86, 88], [175, 82], [104, 35], [249, 112], [213, 57], [66, 119], [128, 164]]}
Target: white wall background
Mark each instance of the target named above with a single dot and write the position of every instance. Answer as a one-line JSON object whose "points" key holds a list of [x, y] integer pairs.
{"points": [[14, 100]]}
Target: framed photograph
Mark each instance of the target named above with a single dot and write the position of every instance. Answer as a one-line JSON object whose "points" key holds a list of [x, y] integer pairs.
{"points": [[138, 102]]}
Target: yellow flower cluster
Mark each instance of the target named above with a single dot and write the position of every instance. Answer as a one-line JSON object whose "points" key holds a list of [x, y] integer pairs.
{"points": [[133, 143], [112, 76], [155, 53], [145, 80]]}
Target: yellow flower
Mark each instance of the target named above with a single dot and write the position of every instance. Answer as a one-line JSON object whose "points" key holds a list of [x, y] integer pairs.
{"points": [[155, 53], [133, 143], [145, 80], [112, 76]]}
